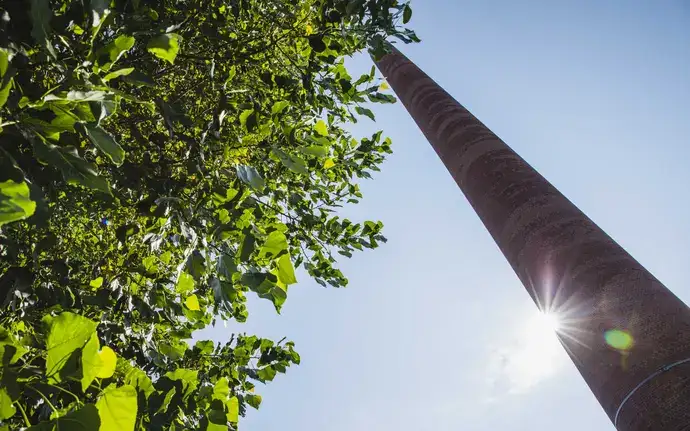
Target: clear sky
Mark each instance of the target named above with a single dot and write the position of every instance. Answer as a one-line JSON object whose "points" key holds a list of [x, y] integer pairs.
{"points": [[435, 332]]}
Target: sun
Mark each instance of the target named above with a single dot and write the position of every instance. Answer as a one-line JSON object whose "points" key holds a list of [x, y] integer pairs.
{"points": [[537, 354], [550, 321]]}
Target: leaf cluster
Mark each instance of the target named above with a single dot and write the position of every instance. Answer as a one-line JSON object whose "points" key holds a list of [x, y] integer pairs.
{"points": [[159, 161]]}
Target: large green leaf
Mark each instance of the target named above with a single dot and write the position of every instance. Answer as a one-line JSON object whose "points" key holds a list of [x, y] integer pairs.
{"points": [[104, 142], [15, 202], [90, 361], [185, 283], [286, 271], [165, 46], [74, 169], [7, 410], [117, 408], [275, 243], [96, 363], [68, 332], [321, 128], [233, 407]]}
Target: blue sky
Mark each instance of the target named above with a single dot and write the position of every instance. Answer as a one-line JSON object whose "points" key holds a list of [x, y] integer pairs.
{"points": [[435, 332]]}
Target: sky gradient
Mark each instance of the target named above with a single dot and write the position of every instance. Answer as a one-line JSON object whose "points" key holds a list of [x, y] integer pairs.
{"points": [[435, 332]]}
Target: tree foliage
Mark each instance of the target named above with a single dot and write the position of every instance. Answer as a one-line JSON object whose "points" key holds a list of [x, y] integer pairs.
{"points": [[159, 161]]}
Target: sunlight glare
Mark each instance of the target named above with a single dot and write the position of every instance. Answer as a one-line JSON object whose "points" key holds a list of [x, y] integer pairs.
{"points": [[540, 354]]}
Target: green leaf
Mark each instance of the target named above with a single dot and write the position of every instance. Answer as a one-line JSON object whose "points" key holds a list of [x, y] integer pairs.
{"points": [[96, 363], [189, 379], [221, 390], [382, 98], [276, 243], [365, 111], [165, 46], [120, 72], [74, 169], [279, 107], [292, 162], [85, 419], [407, 13], [266, 374], [185, 283], [119, 46], [315, 150], [15, 202], [251, 177], [104, 142], [233, 406], [140, 380], [247, 247], [4, 62], [108, 360], [328, 164], [117, 408], [68, 332], [321, 128], [96, 283], [226, 266], [6, 81], [286, 271], [253, 400], [249, 120], [7, 410], [192, 302], [90, 361]]}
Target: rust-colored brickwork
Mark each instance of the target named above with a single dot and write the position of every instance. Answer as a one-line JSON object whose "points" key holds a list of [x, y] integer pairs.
{"points": [[565, 261]]}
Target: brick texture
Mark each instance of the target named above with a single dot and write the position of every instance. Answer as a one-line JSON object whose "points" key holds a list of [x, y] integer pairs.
{"points": [[565, 261]]}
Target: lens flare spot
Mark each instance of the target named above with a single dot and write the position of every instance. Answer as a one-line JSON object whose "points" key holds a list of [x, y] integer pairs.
{"points": [[619, 339]]}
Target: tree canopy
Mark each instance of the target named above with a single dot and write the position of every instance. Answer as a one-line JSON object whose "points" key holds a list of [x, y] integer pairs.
{"points": [[160, 161]]}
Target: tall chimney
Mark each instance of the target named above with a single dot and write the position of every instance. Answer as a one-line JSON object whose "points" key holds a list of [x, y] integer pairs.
{"points": [[628, 335]]}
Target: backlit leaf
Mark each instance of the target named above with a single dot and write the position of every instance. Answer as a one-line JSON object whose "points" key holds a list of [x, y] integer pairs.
{"points": [[117, 408], [192, 302], [7, 410], [275, 243], [185, 283], [286, 270], [68, 332], [15, 202], [165, 46], [321, 128]]}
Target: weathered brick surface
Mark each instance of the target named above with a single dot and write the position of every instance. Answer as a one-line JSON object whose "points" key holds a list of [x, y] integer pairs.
{"points": [[565, 261]]}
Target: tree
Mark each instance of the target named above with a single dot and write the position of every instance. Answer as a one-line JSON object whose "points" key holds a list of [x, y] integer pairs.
{"points": [[160, 161]]}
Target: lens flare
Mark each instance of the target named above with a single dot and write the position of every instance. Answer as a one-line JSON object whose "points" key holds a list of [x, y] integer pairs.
{"points": [[619, 339]]}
